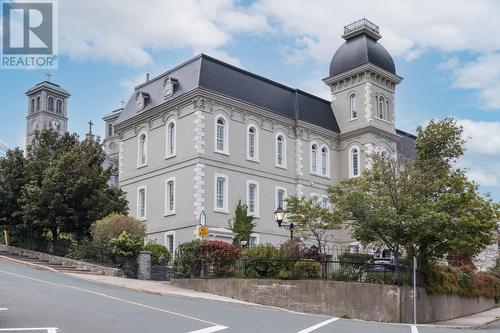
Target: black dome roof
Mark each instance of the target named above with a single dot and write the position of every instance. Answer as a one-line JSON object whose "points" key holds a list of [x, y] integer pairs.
{"points": [[359, 50]]}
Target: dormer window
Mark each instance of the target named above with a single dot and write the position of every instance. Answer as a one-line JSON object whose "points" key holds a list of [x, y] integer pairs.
{"points": [[170, 84], [141, 100]]}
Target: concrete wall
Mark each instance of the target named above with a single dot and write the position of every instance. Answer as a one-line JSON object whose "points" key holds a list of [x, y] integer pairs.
{"points": [[334, 298]]}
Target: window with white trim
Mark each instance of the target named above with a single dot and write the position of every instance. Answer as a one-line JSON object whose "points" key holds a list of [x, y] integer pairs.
{"points": [[221, 139], [354, 167], [171, 136], [253, 197], [280, 197], [280, 151], [380, 109], [170, 196], [141, 203], [220, 194], [324, 161], [170, 242], [314, 158], [352, 102], [142, 143], [252, 143], [315, 199], [324, 202]]}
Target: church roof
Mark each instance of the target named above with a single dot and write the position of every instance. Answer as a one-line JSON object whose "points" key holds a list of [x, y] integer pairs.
{"points": [[50, 86], [213, 75]]}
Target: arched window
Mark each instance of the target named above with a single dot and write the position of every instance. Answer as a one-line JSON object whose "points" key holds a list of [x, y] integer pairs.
{"points": [[221, 135], [38, 103], [51, 103], [170, 196], [314, 158], [110, 129], [252, 198], [220, 194], [387, 108], [59, 106], [352, 103], [324, 161], [252, 143], [381, 108], [354, 162], [171, 136], [280, 151], [143, 150], [280, 197], [32, 109]]}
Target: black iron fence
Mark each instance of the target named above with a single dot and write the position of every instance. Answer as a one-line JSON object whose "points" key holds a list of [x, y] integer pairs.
{"points": [[375, 272]]}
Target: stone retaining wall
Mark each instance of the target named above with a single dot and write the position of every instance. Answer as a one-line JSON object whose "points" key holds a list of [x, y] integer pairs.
{"points": [[349, 299], [110, 271]]}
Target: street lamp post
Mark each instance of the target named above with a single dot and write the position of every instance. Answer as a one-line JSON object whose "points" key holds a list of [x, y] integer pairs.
{"points": [[279, 216]]}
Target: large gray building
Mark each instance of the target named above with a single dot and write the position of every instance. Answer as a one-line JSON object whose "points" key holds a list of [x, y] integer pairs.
{"points": [[206, 134]]}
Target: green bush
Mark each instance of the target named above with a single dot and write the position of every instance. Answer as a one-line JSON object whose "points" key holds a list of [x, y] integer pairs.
{"points": [[157, 252], [125, 248], [343, 274], [112, 226], [265, 260], [307, 269], [187, 261], [381, 277], [285, 275], [219, 256]]}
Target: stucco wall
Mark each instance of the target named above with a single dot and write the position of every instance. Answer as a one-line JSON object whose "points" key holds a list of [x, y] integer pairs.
{"points": [[334, 298]]}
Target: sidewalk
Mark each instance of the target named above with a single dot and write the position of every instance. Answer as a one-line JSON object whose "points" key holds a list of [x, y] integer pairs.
{"points": [[154, 287], [477, 320]]}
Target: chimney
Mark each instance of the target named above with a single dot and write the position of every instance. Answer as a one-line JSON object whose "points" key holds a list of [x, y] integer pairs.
{"points": [[147, 77]]}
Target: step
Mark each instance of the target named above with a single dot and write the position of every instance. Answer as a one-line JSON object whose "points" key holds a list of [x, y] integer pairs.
{"points": [[85, 272], [69, 268]]}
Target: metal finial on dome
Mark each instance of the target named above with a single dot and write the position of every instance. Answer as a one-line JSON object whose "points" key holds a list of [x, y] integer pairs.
{"points": [[362, 26]]}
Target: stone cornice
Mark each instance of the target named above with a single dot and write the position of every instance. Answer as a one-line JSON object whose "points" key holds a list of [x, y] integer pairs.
{"points": [[370, 129]]}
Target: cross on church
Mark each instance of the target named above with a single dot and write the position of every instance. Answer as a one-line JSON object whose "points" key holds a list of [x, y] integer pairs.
{"points": [[90, 126], [48, 76], [123, 103]]}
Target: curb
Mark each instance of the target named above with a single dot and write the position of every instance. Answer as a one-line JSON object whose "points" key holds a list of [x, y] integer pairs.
{"points": [[37, 266]]}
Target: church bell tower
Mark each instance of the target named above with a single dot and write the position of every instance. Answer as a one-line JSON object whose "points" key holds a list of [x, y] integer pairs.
{"points": [[47, 108]]}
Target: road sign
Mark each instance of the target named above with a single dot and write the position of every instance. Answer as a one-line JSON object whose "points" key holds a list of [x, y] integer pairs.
{"points": [[203, 232]]}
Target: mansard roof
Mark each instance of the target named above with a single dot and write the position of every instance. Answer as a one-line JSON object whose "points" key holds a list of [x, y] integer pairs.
{"points": [[213, 75], [49, 86]]}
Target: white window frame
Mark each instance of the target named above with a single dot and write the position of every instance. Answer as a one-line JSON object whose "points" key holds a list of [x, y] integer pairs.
{"points": [[226, 187], [284, 162], [316, 195], [327, 160], [276, 189], [323, 198], [351, 162], [169, 211], [139, 150], [256, 205], [224, 151], [257, 238], [311, 158], [353, 107], [139, 189], [169, 154], [380, 108], [170, 233], [255, 158]]}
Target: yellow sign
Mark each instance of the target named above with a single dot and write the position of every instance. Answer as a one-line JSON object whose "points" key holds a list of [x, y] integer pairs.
{"points": [[203, 232]]}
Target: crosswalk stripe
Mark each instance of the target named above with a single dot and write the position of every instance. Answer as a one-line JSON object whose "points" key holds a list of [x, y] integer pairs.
{"points": [[210, 329], [414, 329], [315, 327]]}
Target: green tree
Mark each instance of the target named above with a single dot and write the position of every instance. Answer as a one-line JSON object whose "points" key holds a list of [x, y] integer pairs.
{"points": [[422, 206], [67, 187], [242, 224], [313, 221]]}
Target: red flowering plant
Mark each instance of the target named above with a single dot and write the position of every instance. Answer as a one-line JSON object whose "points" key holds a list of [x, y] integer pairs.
{"points": [[219, 257]]}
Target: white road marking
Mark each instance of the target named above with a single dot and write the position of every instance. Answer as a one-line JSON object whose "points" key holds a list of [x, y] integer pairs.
{"points": [[3, 309], [210, 329], [48, 329], [414, 329], [113, 298], [315, 327]]}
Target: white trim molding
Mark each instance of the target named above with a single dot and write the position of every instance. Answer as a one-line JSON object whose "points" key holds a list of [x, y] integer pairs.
{"points": [[223, 209], [199, 189], [256, 205], [225, 140], [368, 103], [199, 132], [284, 148], [140, 150], [299, 157], [169, 211], [255, 157], [351, 162], [166, 236], [276, 203], [139, 204], [168, 153]]}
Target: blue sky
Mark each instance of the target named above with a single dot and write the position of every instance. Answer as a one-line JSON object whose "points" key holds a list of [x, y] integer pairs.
{"points": [[450, 64]]}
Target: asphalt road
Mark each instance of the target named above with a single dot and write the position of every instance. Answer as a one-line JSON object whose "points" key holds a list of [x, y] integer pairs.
{"points": [[39, 301]]}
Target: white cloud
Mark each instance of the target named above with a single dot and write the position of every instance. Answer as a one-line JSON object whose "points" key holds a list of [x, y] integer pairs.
{"points": [[125, 31]]}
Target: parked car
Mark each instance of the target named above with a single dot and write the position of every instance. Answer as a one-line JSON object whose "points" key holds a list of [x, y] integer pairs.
{"points": [[382, 265]]}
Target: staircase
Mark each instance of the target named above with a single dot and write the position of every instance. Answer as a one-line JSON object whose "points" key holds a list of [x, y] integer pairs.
{"points": [[52, 265]]}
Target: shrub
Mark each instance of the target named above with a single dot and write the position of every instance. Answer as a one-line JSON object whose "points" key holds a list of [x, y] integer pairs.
{"points": [[220, 256], [356, 258], [264, 259], [292, 249], [187, 261], [343, 274], [307, 269], [125, 248], [110, 227], [355, 264], [159, 253], [381, 277]]}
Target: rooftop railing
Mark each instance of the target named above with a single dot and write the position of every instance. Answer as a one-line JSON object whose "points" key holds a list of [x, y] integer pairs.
{"points": [[360, 24]]}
